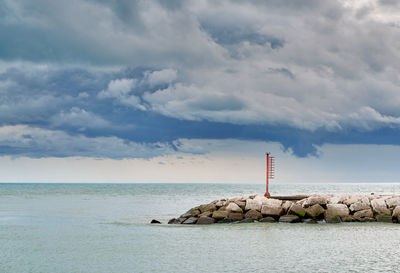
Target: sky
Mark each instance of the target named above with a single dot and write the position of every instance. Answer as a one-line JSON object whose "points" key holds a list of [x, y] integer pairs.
{"points": [[199, 91]]}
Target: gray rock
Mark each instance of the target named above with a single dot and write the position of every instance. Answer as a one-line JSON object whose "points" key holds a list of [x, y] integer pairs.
{"points": [[207, 207], [191, 213], [333, 219], [268, 219], [220, 214], [182, 219], [348, 218], [336, 199], [286, 206], [289, 219], [154, 221], [362, 204], [361, 214], [379, 207], [272, 207], [190, 221], [174, 221], [253, 204], [225, 221], [272, 202], [233, 207], [205, 220], [315, 199], [315, 210], [298, 210], [351, 199], [396, 213], [260, 198], [206, 214], [333, 210], [220, 203], [235, 216], [253, 214], [241, 204], [393, 202]]}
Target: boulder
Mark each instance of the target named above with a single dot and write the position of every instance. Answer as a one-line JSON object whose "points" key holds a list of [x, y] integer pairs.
{"points": [[289, 219], [315, 210], [220, 203], [260, 198], [154, 221], [204, 220], [348, 218], [190, 221], [315, 199], [396, 213], [225, 221], [393, 202], [379, 207], [333, 219], [272, 207], [296, 209], [253, 204], [268, 219], [286, 206], [233, 207], [351, 199], [235, 216], [182, 219], [220, 214], [206, 214], [241, 204], [361, 214], [253, 214], [336, 199], [207, 207], [272, 202], [233, 199], [333, 210], [191, 213], [174, 221], [362, 204]]}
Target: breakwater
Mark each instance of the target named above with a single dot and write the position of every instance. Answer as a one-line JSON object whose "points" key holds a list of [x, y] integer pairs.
{"points": [[327, 208]]}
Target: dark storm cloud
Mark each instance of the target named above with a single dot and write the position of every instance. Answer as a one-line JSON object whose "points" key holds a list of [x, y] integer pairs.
{"points": [[302, 73]]}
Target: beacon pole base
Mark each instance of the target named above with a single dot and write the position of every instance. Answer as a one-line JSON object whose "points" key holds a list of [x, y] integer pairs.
{"points": [[267, 194]]}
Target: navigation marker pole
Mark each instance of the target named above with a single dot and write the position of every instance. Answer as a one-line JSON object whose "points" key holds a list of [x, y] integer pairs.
{"points": [[269, 172]]}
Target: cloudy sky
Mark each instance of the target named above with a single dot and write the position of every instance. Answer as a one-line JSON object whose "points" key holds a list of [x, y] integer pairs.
{"points": [[198, 91]]}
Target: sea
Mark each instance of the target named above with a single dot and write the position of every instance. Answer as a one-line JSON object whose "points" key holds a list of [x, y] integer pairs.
{"points": [[105, 228]]}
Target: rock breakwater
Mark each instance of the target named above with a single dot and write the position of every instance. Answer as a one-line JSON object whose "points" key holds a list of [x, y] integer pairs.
{"points": [[309, 209]]}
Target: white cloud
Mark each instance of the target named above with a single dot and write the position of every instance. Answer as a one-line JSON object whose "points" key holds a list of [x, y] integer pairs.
{"points": [[118, 88], [337, 65], [34, 142], [122, 89], [79, 118], [164, 76]]}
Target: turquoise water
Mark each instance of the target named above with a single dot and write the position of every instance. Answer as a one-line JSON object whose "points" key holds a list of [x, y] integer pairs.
{"points": [[104, 228]]}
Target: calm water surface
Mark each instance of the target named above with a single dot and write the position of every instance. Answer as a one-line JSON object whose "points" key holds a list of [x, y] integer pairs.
{"points": [[104, 228]]}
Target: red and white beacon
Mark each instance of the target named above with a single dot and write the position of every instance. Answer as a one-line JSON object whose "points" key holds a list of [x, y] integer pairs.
{"points": [[270, 171]]}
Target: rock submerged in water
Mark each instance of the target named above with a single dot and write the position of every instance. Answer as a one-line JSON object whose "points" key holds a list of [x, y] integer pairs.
{"points": [[311, 209]]}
